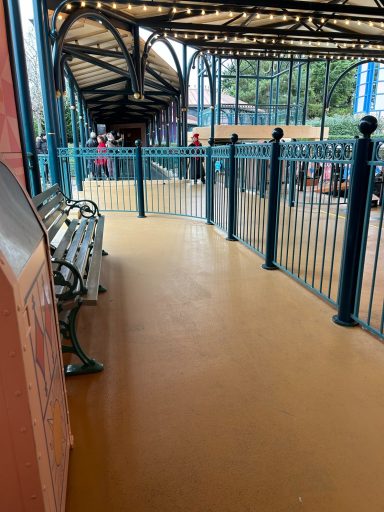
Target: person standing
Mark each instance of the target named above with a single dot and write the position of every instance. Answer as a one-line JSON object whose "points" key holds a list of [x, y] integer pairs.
{"points": [[101, 163], [91, 144], [42, 149], [196, 165]]}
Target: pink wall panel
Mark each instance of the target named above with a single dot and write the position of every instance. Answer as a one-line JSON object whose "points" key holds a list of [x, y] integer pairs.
{"points": [[10, 147]]}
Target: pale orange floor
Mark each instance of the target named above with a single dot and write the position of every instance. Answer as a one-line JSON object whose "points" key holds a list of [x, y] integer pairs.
{"points": [[226, 388]]}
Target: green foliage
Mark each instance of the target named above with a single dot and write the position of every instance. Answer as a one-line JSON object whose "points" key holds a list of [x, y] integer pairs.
{"points": [[341, 101], [344, 126]]}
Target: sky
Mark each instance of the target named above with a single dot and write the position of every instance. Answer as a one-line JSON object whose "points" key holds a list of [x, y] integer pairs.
{"points": [[27, 14]]}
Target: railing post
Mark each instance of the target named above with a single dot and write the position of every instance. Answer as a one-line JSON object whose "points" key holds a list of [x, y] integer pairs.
{"points": [[358, 196], [209, 186], [273, 200], [232, 188], [139, 179]]}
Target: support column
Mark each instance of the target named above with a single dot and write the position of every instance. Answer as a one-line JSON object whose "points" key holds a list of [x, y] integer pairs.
{"points": [[184, 104], [47, 87], [199, 93], [324, 112], [167, 137], [81, 120], [277, 91], [288, 116], [257, 93], [298, 93], [23, 98], [304, 120], [72, 100], [237, 91], [218, 102], [213, 97]]}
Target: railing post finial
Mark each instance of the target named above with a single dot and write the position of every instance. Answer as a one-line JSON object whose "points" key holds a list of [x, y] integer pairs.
{"points": [[367, 126]]}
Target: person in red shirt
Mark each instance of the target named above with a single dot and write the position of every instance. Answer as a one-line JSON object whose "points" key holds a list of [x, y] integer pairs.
{"points": [[196, 165]]}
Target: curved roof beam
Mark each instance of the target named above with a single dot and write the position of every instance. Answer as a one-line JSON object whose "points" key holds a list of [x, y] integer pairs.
{"points": [[98, 16]]}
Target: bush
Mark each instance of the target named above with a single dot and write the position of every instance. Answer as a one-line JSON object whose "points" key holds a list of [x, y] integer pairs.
{"points": [[345, 126]]}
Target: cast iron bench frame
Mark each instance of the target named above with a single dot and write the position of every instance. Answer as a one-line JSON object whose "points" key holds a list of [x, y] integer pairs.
{"points": [[76, 253]]}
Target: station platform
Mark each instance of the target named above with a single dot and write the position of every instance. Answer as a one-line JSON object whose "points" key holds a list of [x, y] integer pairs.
{"points": [[226, 388]]}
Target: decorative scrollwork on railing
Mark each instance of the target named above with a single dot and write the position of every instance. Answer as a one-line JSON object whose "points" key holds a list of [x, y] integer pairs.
{"points": [[186, 152], [320, 151], [260, 151], [378, 153], [95, 152], [220, 151]]}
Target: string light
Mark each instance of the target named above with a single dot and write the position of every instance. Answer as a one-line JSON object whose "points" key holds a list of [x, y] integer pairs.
{"points": [[82, 4], [203, 12], [297, 18], [144, 7], [98, 5], [310, 19], [258, 15], [244, 15], [60, 17], [285, 17], [271, 16], [217, 13], [68, 7], [160, 8], [322, 20], [114, 6], [174, 10], [188, 11]]}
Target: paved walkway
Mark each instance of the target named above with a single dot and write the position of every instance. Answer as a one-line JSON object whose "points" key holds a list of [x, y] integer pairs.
{"points": [[226, 388]]}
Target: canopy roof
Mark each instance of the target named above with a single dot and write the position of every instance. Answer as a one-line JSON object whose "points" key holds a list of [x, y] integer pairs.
{"points": [[266, 29], [352, 28]]}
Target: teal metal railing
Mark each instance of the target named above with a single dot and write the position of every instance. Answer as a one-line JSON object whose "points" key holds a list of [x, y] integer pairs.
{"points": [[305, 207]]}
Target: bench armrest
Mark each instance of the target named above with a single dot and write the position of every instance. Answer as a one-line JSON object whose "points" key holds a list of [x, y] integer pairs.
{"points": [[87, 208], [70, 283]]}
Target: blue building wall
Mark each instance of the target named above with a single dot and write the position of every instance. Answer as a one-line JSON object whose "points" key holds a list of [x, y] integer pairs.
{"points": [[369, 97]]}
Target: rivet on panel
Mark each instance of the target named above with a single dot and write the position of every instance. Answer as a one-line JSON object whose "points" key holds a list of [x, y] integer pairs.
{"points": [[33, 497], [23, 430], [28, 464], [12, 354], [29, 386], [17, 393], [5, 312]]}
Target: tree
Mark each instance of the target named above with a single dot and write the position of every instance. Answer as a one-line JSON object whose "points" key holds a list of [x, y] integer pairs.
{"points": [[341, 102], [34, 79]]}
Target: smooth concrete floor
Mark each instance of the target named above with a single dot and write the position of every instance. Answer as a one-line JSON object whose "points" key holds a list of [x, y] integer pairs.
{"points": [[226, 388]]}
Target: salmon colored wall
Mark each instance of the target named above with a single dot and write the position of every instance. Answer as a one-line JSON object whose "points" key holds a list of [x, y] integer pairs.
{"points": [[10, 146]]}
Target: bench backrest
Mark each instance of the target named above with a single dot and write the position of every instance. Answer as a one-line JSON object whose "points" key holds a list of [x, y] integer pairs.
{"points": [[52, 208]]}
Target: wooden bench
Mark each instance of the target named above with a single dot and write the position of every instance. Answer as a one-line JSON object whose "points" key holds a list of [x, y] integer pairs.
{"points": [[76, 253]]}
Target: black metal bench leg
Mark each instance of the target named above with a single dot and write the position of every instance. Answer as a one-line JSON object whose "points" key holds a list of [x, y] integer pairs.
{"points": [[102, 289], [104, 253], [89, 365]]}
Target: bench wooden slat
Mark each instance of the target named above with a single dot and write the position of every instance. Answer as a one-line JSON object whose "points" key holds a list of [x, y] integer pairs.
{"points": [[66, 240], [95, 265], [50, 221], [53, 230], [72, 252], [40, 198], [85, 247], [73, 248], [52, 204]]}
